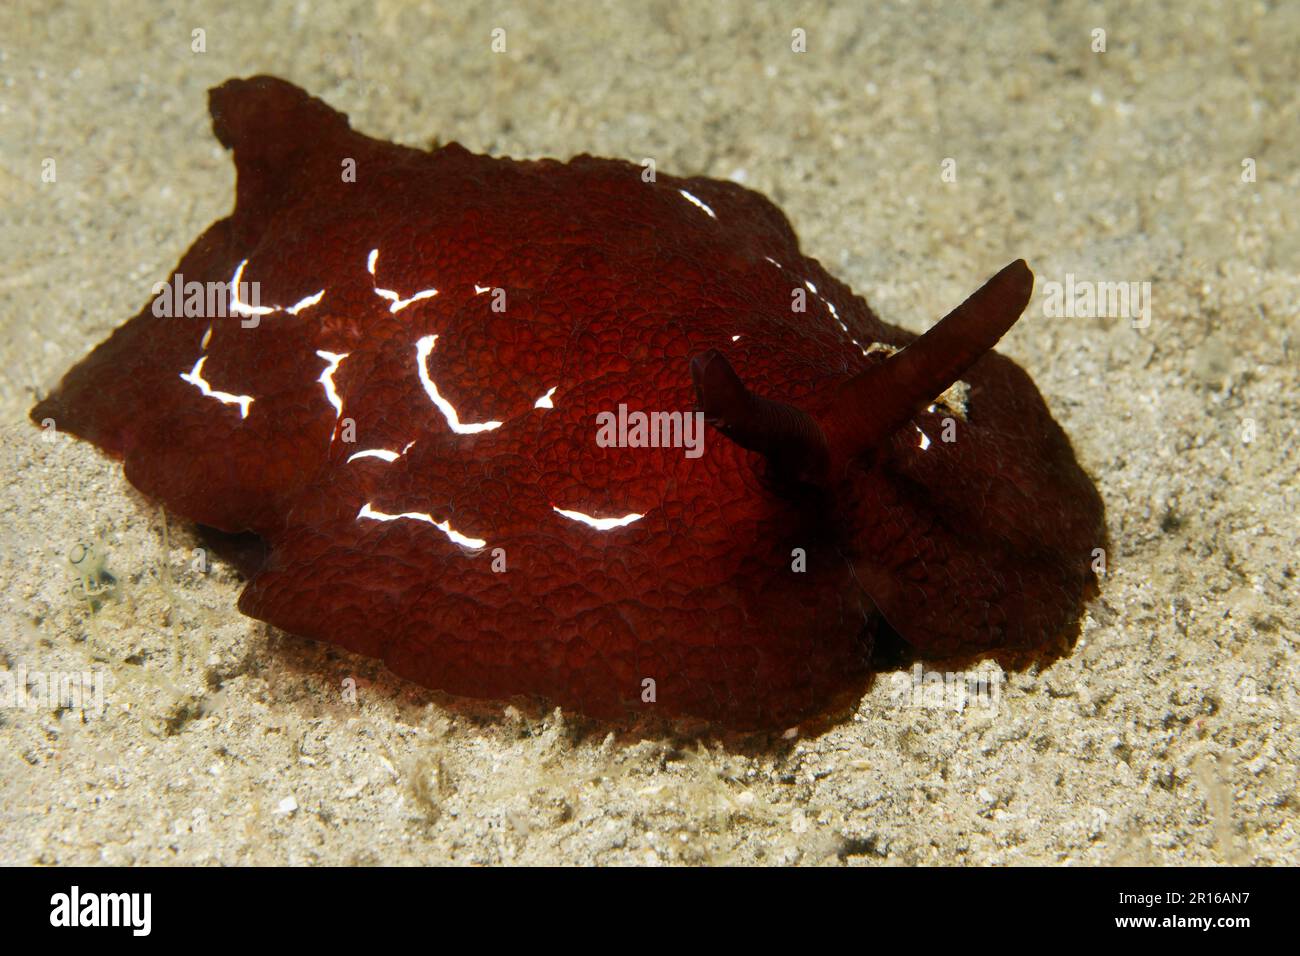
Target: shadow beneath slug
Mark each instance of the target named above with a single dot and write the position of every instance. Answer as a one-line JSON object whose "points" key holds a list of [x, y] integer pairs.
{"points": [[891, 653], [243, 550]]}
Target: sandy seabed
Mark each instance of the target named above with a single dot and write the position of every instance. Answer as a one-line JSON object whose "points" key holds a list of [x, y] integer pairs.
{"points": [[1168, 736]]}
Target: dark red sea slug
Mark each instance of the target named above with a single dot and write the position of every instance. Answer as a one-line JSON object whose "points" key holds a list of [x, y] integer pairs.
{"points": [[455, 398]]}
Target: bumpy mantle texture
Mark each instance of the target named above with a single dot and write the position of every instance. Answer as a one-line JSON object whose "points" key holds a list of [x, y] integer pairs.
{"points": [[406, 419]]}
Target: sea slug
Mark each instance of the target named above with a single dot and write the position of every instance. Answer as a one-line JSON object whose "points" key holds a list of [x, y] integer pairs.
{"points": [[582, 431]]}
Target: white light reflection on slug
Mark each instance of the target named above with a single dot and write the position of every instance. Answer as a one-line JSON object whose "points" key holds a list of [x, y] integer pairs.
{"points": [[195, 378], [423, 348], [444, 526], [600, 524], [381, 453], [698, 202], [327, 378], [545, 400], [239, 307], [397, 303], [830, 307], [242, 308], [306, 303]]}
